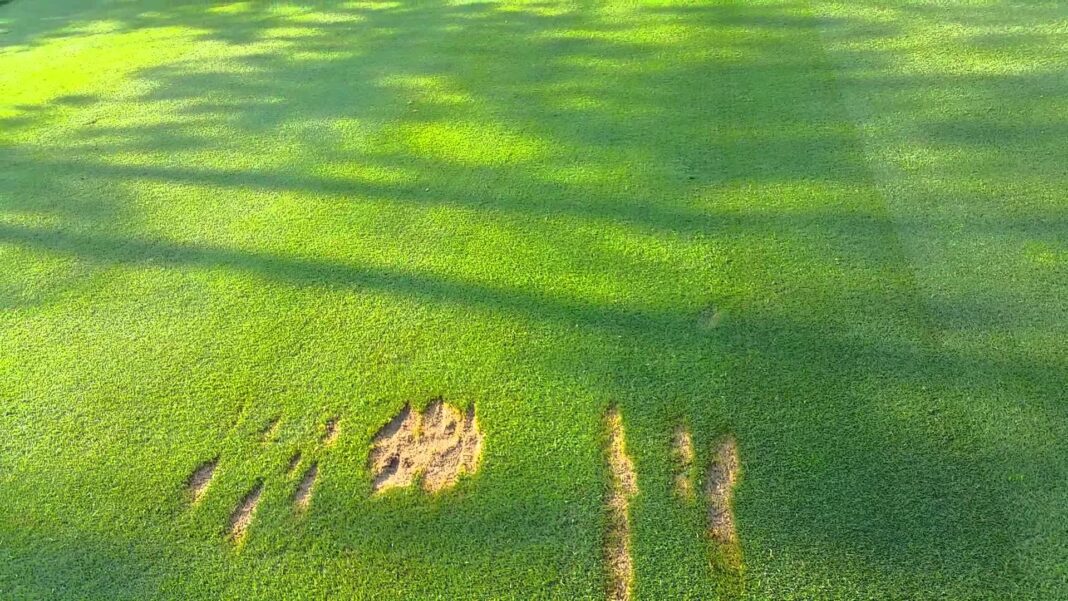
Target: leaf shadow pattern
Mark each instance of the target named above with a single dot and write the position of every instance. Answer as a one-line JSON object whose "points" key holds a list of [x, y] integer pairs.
{"points": [[628, 133]]}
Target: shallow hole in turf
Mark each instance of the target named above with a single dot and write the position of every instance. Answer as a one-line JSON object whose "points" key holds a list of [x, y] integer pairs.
{"points": [[331, 431], [302, 496], [710, 318], [683, 455], [623, 486], [241, 517], [434, 446], [197, 482], [269, 428], [719, 491], [294, 461]]}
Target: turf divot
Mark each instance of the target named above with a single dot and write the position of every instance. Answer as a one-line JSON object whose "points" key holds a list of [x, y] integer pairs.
{"points": [[294, 461], [269, 428], [330, 432], [683, 455], [302, 496], [241, 517], [433, 447], [197, 483], [623, 486], [710, 318], [719, 490]]}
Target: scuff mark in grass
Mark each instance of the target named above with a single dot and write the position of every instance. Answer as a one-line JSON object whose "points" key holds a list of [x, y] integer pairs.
{"points": [[623, 486], [710, 318], [683, 455], [241, 517], [719, 491], [435, 446], [268, 430], [197, 482], [302, 496], [331, 431], [294, 461]]}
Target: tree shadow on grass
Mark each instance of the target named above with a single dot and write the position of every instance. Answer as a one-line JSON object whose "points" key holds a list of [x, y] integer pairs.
{"points": [[63, 566], [672, 125]]}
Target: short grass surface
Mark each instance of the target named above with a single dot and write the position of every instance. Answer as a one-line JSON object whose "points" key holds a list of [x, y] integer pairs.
{"points": [[838, 231]]}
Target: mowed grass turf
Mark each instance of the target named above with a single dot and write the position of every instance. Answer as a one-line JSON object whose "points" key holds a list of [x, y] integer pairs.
{"points": [[838, 231]]}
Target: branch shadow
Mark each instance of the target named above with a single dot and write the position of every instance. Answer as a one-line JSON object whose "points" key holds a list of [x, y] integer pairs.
{"points": [[670, 124]]}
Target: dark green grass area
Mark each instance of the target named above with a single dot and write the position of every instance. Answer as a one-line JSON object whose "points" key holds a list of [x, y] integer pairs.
{"points": [[212, 216]]}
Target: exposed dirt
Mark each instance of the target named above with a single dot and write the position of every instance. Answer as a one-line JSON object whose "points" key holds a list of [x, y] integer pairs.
{"points": [[302, 496], [330, 432], [293, 462], [710, 318], [435, 447], [683, 455], [197, 482], [242, 515], [719, 489], [268, 430], [624, 485]]}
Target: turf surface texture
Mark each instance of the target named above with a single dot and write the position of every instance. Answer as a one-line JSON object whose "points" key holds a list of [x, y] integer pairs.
{"points": [[836, 230]]}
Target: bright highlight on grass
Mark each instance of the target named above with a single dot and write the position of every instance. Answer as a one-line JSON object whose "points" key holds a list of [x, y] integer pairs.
{"points": [[264, 263]]}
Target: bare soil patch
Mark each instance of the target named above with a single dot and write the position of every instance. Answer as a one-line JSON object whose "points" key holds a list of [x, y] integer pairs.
{"points": [[294, 461], [197, 482], [683, 455], [242, 515], [719, 490], [268, 429], [710, 318], [624, 485], [434, 446], [330, 431], [302, 496]]}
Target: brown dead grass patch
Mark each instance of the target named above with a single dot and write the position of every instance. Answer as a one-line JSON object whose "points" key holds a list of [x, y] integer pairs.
{"points": [[241, 517], [268, 430], [294, 461], [710, 318], [624, 485], [435, 446], [719, 490], [683, 456], [197, 482], [331, 430], [302, 496]]}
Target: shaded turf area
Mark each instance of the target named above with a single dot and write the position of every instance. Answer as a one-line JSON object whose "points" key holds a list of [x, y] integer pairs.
{"points": [[251, 233]]}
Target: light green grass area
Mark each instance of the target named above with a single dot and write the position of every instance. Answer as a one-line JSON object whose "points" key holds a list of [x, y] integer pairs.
{"points": [[213, 214]]}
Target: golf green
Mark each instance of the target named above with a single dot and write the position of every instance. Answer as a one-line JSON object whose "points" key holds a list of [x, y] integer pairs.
{"points": [[237, 240]]}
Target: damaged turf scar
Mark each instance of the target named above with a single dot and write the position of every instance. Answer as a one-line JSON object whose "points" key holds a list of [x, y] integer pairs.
{"points": [[710, 318], [293, 462], [719, 490], [624, 485], [197, 482], [330, 432], [302, 496], [242, 515], [682, 455], [435, 446], [268, 429]]}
